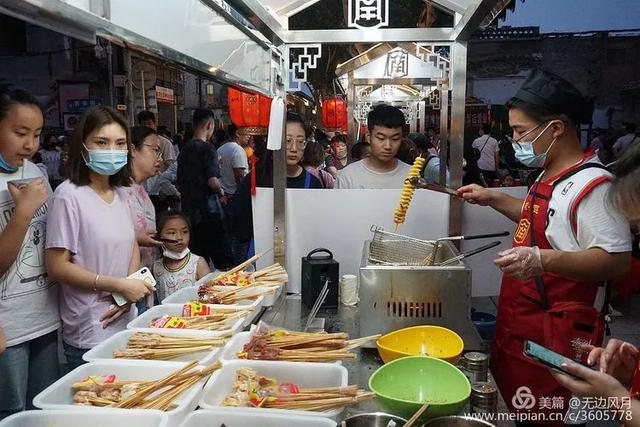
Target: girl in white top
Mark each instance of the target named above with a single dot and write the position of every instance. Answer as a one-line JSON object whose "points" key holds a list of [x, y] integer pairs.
{"points": [[178, 268], [28, 299]]}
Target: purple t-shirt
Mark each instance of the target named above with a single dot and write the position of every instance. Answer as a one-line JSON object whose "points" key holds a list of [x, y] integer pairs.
{"points": [[100, 237]]}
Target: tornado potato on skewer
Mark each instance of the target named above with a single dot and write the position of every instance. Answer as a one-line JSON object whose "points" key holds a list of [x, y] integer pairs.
{"points": [[408, 189]]}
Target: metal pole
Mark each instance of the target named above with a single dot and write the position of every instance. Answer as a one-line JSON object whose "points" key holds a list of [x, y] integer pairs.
{"points": [[144, 90], [280, 179], [444, 130], [351, 110], [175, 115], [110, 72], [128, 84], [458, 93]]}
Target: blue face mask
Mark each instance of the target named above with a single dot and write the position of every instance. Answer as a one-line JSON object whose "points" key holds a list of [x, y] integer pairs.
{"points": [[106, 162], [6, 166], [526, 154]]}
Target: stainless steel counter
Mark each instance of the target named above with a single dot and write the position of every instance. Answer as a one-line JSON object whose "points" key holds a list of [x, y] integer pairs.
{"points": [[291, 314]]}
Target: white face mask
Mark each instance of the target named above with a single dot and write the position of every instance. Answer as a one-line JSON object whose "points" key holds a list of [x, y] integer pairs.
{"points": [[177, 256]]}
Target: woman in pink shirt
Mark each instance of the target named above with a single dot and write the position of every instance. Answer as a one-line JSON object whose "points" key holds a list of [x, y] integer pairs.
{"points": [[91, 246], [146, 156], [312, 161]]}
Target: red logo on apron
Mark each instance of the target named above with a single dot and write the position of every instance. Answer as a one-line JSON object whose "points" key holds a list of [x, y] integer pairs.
{"points": [[522, 231]]}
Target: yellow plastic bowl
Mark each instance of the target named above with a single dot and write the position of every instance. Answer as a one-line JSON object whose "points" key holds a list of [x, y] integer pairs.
{"points": [[428, 340]]}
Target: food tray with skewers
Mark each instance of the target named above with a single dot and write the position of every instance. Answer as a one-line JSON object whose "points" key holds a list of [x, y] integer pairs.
{"points": [[228, 287], [238, 298], [274, 275], [219, 322], [233, 417], [269, 293], [164, 346], [254, 305], [70, 418], [283, 345], [174, 388], [318, 389]]}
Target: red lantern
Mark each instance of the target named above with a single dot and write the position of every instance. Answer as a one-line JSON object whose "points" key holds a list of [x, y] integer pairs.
{"points": [[250, 112], [334, 114]]}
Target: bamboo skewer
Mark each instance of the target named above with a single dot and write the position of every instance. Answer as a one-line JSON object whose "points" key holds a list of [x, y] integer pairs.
{"points": [[242, 266], [414, 419], [152, 388], [355, 343]]}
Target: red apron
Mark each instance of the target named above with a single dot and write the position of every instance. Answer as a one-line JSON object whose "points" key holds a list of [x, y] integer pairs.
{"points": [[567, 319]]}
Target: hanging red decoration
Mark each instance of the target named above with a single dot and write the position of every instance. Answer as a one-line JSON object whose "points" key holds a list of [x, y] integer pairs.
{"points": [[250, 112], [334, 114]]}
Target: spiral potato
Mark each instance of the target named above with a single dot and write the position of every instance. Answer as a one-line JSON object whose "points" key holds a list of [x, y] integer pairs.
{"points": [[406, 195]]}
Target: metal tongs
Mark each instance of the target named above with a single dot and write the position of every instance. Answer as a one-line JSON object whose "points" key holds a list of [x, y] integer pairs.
{"points": [[432, 258], [419, 182]]}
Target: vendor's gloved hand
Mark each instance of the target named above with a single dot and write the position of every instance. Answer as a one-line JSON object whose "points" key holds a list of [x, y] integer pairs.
{"points": [[522, 262]]}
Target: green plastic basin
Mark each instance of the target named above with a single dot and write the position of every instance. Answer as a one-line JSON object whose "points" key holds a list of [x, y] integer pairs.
{"points": [[403, 385]]}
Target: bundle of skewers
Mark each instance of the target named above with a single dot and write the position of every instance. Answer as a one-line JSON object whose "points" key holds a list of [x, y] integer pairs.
{"points": [[107, 391], [142, 345], [215, 320], [274, 275], [214, 292], [302, 346], [253, 390], [223, 295]]}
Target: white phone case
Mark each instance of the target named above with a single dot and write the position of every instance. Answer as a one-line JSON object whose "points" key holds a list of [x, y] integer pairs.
{"points": [[143, 274]]}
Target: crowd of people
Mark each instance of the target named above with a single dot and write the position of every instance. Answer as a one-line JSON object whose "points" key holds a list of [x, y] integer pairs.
{"points": [[113, 198]]}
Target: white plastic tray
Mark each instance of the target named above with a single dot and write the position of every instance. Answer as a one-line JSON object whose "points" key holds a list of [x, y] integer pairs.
{"points": [[235, 417], [104, 350], [235, 344], [59, 395], [143, 321], [303, 374], [106, 417], [191, 293]]}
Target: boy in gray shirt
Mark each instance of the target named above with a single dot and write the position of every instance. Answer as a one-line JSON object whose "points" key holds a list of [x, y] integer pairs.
{"points": [[381, 170]]}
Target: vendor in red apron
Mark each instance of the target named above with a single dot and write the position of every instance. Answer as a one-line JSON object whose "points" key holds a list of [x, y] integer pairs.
{"points": [[567, 242]]}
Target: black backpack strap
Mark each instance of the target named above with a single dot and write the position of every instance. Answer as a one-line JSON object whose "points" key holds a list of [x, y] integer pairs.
{"points": [[579, 169], [485, 143]]}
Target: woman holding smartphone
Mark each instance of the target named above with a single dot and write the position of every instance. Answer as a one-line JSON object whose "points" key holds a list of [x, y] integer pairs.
{"points": [[618, 373], [91, 247]]}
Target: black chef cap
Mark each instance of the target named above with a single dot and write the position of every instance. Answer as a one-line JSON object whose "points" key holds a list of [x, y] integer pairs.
{"points": [[555, 94]]}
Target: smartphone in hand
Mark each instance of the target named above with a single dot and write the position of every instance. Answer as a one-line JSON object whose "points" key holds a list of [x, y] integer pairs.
{"points": [[548, 357], [142, 274]]}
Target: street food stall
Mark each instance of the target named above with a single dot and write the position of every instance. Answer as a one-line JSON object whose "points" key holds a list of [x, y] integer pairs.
{"points": [[191, 352]]}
